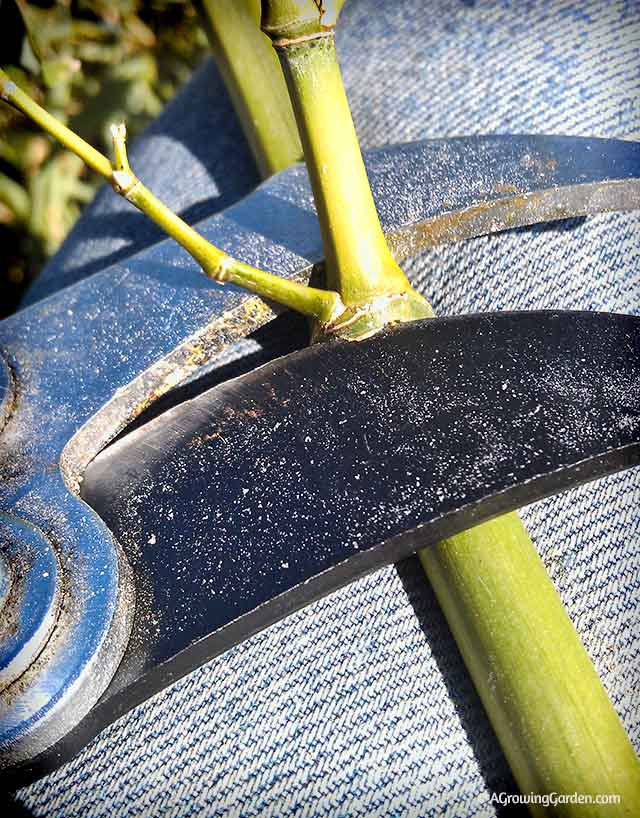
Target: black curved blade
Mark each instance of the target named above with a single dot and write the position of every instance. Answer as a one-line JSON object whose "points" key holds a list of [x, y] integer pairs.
{"points": [[273, 489], [270, 490]]}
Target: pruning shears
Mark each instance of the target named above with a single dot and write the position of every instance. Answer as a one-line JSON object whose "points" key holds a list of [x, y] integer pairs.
{"points": [[130, 556]]}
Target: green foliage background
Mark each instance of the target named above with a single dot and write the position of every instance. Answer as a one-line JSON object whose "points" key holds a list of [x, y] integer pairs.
{"points": [[89, 64]]}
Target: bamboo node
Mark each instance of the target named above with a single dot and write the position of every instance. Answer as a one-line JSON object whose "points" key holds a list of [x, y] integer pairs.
{"points": [[223, 269], [125, 183], [285, 42]]}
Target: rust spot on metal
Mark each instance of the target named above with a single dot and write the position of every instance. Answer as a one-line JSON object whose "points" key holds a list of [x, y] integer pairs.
{"points": [[505, 188], [520, 210], [539, 164], [8, 399], [200, 440], [156, 381]]}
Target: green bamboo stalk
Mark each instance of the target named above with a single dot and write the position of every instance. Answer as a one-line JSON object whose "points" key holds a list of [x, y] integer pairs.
{"points": [[358, 262], [536, 681], [253, 78], [322, 305], [360, 270], [543, 696]]}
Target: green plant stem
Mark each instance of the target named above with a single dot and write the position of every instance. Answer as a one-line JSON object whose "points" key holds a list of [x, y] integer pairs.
{"points": [[358, 262], [254, 81], [543, 696], [10, 93], [536, 681], [322, 305]]}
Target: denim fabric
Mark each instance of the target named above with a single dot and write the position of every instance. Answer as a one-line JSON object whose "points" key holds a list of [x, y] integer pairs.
{"points": [[359, 705]]}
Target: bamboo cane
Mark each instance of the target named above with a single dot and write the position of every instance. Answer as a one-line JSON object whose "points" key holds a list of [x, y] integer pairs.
{"points": [[253, 78], [322, 305]]}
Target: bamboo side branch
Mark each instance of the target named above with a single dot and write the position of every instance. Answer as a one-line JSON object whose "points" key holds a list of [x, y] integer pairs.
{"points": [[322, 305]]}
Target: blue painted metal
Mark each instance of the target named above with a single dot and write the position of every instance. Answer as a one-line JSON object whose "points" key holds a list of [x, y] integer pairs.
{"points": [[5, 580], [6, 392], [36, 591], [88, 360]]}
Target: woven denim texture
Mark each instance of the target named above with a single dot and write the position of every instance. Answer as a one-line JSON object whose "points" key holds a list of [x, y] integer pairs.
{"points": [[359, 705]]}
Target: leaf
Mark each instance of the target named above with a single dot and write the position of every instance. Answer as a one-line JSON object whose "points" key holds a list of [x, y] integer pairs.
{"points": [[56, 192], [15, 201]]}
